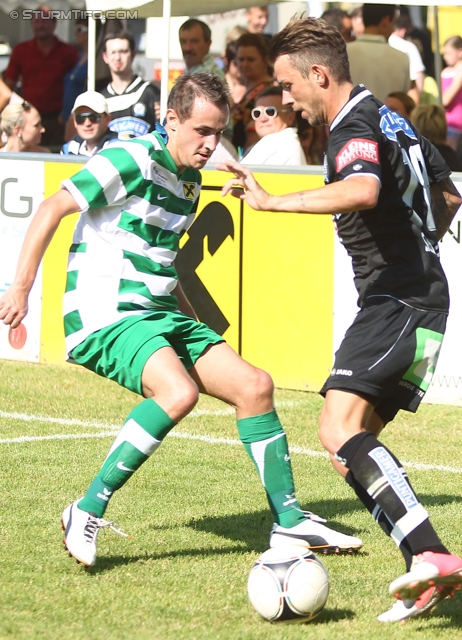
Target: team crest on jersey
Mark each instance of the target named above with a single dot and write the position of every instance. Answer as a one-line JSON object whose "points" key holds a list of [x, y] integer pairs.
{"points": [[357, 149], [189, 190], [139, 109], [391, 122]]}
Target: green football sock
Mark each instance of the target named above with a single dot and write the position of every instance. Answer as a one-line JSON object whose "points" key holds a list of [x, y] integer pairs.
{"points": [[265, 441], [143, 432]]}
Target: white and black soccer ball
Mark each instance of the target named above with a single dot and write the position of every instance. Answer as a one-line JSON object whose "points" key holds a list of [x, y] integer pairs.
{"points": [[288, 584]]}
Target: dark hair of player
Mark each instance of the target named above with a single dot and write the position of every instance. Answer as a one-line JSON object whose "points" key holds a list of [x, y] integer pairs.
{"points": [[309, 41], [200, 85]]}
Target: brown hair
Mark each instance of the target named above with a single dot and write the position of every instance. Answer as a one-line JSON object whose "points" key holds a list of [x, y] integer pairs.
{"points": [[309, 41], [407, 101], [254, 40], [194, 22], [430, 122], [454, 41], [200, 85]]}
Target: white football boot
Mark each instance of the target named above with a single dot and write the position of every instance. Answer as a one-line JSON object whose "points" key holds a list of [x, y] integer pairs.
{"points": [[81, 531], [312, 534], [403, 610]]}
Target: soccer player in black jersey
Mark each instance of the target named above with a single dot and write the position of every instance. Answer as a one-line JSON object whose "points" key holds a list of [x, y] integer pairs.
{"points": [[390, 195]]}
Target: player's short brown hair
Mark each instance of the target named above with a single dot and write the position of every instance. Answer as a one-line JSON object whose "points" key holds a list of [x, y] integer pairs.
{"points": [[309, 41], [200, 85]]}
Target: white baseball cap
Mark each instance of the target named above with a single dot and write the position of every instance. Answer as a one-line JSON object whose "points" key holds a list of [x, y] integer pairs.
{"points": [[93, 100]]}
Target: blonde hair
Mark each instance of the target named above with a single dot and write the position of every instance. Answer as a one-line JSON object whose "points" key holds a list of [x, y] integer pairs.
{"points": [[234, 34], [13, 115]]}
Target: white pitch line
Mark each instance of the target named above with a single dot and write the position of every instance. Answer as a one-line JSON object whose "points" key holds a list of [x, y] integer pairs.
{"points": [[197, 413], [59, 436], [109, 430]]}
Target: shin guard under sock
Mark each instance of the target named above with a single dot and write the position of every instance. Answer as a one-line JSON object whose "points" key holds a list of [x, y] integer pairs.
{"points": [[266, 444], [379, 516], [381, 475], [143, 432]]}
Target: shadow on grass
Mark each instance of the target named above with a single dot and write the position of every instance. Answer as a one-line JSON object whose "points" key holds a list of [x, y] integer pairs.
{"points": [[333, 615], [448, 613], [105, 564]]}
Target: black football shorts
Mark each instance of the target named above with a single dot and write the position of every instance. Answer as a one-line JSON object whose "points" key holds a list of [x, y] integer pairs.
{"points": [[388, 356]]}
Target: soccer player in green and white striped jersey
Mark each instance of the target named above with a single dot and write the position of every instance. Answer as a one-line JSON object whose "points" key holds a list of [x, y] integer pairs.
{"points": [[126, 317]]}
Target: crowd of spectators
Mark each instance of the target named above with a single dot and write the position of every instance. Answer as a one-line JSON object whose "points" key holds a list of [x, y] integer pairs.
{"points": [[45, 104]]}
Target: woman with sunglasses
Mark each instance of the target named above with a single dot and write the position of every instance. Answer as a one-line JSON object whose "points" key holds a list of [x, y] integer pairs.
{"points": [[23, 128], [253, 64], [279, 144]]}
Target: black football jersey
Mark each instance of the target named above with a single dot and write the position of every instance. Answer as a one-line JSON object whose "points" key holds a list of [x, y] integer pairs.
{"points": [[393, 248], [132, 112]]}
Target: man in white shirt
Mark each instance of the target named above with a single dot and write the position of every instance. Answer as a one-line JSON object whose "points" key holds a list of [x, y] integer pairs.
{"points": [[279, 144], [416, 66]]}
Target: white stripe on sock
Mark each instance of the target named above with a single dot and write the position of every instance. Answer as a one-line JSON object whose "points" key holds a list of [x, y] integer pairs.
{"points": [[133, 433], [258, 453], [410, 521]]}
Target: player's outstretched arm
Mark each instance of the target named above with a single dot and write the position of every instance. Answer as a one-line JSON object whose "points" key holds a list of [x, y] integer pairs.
{"points": [[245, 187], [355, 194], [13, 303]]}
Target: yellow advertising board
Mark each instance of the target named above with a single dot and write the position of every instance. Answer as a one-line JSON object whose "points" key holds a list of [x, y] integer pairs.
{"points": [[262, 280], [287, 289], [54, 268], [209, 261]]}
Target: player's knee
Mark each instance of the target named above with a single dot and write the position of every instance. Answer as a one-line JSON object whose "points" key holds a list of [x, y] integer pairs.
{"points": [[185, 399], [329, 435], [257, 385], [178, 400]]}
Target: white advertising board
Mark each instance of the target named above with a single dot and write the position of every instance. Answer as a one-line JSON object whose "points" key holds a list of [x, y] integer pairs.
{"points": [[446, 386], [21, 191]]}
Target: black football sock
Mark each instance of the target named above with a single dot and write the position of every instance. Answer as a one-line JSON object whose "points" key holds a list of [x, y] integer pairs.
{"points": [[379, 516], [376, 469]]}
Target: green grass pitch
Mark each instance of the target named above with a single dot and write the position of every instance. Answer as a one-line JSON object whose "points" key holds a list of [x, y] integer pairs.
{"points": [[198, 518]]}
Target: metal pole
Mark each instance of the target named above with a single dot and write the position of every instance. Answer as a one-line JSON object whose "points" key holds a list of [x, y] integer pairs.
{"points": [[438, 66], [91, 74], [167, 10]]}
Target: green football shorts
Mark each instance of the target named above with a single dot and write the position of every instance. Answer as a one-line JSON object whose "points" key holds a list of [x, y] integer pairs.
{"points": [[119, 352]]}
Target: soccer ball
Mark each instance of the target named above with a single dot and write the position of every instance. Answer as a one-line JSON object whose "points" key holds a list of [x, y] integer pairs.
{"points": [[288, 583]]}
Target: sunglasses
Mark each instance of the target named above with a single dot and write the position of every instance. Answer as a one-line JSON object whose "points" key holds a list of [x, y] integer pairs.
{"points": [[93, 117], [270, 112], [26, 106]]}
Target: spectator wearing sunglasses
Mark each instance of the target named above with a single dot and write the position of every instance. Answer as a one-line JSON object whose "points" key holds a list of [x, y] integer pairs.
{"points": [[279, 144], [91, 121], [22, 126]]}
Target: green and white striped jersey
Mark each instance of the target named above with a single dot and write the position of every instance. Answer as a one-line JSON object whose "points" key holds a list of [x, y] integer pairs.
{"points": [[135, 208]]}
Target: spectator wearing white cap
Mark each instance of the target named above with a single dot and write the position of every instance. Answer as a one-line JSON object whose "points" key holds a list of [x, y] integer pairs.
{"points": [[91, 119]]}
